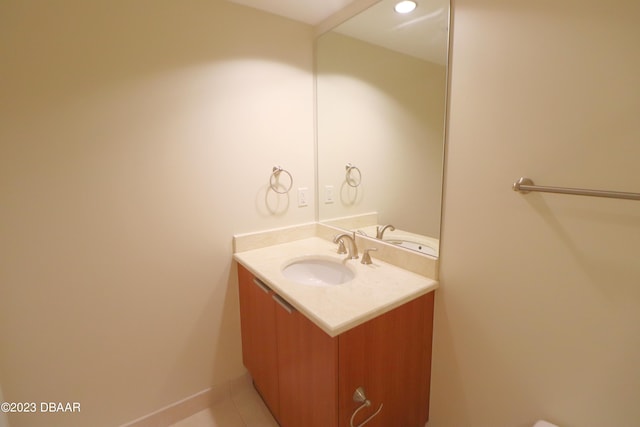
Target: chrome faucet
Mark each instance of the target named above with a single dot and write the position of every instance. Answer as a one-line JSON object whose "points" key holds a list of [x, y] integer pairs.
{"points": [[349, 240], [380, 230]]}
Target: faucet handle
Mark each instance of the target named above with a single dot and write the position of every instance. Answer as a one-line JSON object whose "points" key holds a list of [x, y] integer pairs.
{"points": [[341, 248], [366, 257]]}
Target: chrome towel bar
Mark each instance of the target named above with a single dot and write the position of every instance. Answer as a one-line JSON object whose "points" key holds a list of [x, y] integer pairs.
{"points": [[525, 185]]}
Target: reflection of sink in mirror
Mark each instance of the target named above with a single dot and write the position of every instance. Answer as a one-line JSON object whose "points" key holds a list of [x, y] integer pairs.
{"points": [[367, 224], [317, 271], [420, 247]]}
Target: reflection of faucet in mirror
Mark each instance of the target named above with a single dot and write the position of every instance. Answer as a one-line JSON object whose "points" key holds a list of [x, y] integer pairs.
{"points": [[380, 230], [350, 239]]}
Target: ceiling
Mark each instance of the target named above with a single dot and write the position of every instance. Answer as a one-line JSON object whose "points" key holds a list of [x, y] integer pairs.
{"points": [[422, 33], [308, 11]]}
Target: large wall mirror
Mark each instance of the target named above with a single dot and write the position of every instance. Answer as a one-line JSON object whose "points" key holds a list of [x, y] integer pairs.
{"points": [[381, 103]]}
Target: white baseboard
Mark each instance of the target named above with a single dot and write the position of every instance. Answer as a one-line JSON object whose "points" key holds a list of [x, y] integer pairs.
{"points": [[181, 409]]}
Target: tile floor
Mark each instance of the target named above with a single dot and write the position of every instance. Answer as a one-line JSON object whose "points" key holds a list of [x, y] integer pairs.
{"points": [[243, 408]]}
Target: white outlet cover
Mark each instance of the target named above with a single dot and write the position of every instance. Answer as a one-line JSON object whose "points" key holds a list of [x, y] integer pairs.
{"points": [[303, 197]]}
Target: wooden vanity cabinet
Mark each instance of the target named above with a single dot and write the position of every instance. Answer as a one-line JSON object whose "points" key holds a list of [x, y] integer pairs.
{"points": [[390, 357], [259, 339], [307, 378], [307, 371]]}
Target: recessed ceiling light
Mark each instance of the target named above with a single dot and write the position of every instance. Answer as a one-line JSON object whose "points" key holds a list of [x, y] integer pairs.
{"points": [[405, 6]]}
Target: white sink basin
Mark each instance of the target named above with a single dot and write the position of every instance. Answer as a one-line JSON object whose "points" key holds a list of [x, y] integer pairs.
{"points": [[317, 271]]}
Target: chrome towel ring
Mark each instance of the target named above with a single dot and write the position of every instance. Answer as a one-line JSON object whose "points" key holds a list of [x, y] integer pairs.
{"points": [[351, 180], [275, 178]]}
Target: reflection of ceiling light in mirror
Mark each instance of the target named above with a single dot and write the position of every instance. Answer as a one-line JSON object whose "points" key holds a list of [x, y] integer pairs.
{"points": [[405, 6]]}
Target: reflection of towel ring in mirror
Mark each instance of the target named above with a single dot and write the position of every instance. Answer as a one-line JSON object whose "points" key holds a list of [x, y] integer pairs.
{"points": [[273, 180], [350, 179]]}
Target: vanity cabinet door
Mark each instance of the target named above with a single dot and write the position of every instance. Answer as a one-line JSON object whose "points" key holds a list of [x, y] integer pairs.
{"points": [[308, 371], [390, 357], [259, 342]]}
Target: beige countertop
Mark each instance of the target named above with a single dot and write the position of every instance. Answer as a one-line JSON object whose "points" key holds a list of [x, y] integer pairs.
{"points": [[376, 288]]}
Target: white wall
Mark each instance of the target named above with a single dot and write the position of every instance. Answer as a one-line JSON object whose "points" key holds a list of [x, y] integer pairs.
{"points": [[539, 311], [135, 139]]}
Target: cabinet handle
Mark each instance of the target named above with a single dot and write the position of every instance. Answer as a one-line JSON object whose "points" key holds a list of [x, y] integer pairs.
{"points": [[261, 285], [288, 308]]}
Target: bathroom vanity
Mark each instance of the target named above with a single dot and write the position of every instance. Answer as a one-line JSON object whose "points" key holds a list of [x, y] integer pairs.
{"points": [[309, 348], [358, 351]]}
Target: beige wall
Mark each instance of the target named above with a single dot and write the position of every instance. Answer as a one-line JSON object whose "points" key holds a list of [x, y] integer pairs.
{"points": [[135, 139], [4, 422], [384, 112], [539, 311]]}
